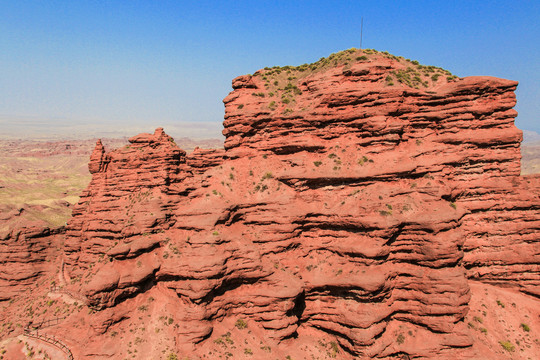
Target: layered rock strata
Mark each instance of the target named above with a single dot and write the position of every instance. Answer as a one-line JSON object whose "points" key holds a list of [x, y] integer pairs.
{"points": [[24, 254], [354, 198]]}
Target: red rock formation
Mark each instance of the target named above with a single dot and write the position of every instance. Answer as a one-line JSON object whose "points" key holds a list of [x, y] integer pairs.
{"points": [[97, 158], [23, 256], [353, 201], [128, 195], [502, 241]]}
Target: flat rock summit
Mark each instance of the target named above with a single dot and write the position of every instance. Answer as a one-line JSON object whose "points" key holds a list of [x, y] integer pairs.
{"points": [[364, 206]]}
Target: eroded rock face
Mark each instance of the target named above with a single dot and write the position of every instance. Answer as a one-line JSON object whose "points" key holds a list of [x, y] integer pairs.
{"points": [[345, 203], [502, 232], [23, 258]]}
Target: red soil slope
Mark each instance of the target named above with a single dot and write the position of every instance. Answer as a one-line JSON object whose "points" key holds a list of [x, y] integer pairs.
{"points": [[355, 201]]}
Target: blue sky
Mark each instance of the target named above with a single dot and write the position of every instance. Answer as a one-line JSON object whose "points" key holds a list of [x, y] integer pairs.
{"points": [[136, 65]]}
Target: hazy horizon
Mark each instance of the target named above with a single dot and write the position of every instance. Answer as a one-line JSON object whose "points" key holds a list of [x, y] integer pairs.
{"points": [[115, 67], [40, 129]]}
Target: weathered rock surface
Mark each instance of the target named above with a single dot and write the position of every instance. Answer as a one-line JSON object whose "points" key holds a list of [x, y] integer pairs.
{"points": [[23, 256], [502, 232], [354, 201]]}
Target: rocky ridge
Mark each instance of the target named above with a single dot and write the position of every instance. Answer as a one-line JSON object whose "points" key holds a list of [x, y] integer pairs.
{"points": [[355, 200]]}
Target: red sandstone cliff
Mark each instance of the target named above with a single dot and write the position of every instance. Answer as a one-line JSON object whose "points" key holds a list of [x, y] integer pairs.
{"points": [[355, 201]]}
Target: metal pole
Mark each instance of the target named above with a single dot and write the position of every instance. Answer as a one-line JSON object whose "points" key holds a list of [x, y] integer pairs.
{"points": [[361, 31]]}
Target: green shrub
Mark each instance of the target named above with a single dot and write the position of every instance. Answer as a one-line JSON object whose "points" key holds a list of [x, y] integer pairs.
{"points": [[240, 324], [363, 160], [525, 327], [317, 163], [240, 106], [227, 338], [507, 345], [478, 319]]}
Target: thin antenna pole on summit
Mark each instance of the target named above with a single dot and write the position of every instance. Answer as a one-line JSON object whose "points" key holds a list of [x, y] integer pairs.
{"points": [[361, 31]]}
